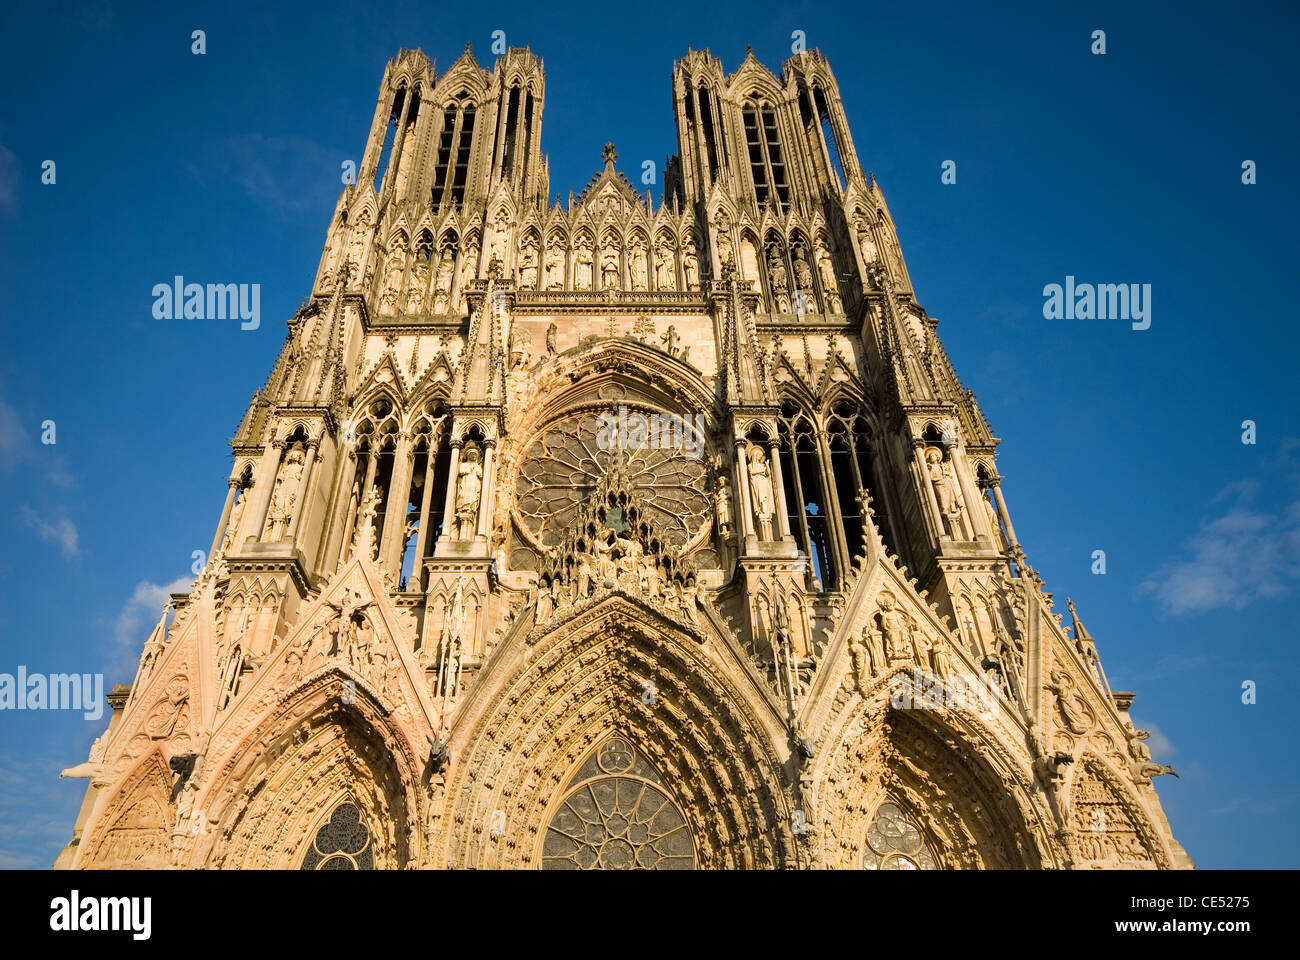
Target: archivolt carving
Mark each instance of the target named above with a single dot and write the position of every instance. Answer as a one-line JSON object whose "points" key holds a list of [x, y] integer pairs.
{"points": [[139, 836], [663, 693], [973, 809], [268, 799]]}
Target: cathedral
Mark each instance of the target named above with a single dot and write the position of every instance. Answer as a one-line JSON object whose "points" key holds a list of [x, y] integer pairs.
{"points": [[616, 534]]}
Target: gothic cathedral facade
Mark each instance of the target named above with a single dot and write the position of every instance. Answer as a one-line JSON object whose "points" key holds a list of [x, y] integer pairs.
{"points": [[615, 534]]}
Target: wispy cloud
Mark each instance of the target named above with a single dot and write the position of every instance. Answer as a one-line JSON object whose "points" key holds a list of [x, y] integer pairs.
{"points": [[139, 614], [288, 174], [1235, 559], [57, 529]]}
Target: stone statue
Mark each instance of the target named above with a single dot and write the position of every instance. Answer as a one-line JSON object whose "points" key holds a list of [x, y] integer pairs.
{"points": [[863, 658], [416, 287], [609, 269], [803, 277], [670, 338], [363, 538], [545, 601], [691, 265], [722, 504], [554, 268], [830, 287], [939, 661], [442, 281], [895, 629], [945, 489], [665, 270], [528, 264], [468, 269], [638, 267], [550, 340], [760, 485], [284, 495], [469, 487], [865, 243], [582, 269], [392, 279], [777, 277]]}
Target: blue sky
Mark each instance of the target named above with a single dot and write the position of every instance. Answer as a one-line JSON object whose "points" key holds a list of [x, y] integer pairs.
{"points": [[1122, 168]]}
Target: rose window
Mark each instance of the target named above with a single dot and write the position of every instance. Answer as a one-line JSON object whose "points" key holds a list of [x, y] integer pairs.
{"points": [[895, 843], [618, 820]]}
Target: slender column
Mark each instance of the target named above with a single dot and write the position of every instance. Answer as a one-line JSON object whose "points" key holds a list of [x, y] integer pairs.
{"points": [[232, 489], [746, 498], [961, 467], [832, 509], [487, 489], [300, 502], [422, 535], [342, 501], [372, 464], [996, 484], [399, 496], [803, 508], [449, 504], [266, 474], [778, 480]]}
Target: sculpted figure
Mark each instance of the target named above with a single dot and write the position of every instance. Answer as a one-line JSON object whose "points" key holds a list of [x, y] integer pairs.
{"points": [[723, 505], [392, 279], [586, 573], [803, 277], [945, 488], [895, 629], [550, 339], [691, 265], [469, 487], [582, 269], [609, 269], [777, 277], [939, 662], [284, 495], [830, 287], [545, 603], [760, 483], [528, 264], [416, 286], [554, 268], [468, 269], [865, 243], [442, 280], [665, 269], [863, 656], [637, 266]]}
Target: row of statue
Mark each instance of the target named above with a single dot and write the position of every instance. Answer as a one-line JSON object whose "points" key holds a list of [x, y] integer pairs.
{"points": [[432, 279]]}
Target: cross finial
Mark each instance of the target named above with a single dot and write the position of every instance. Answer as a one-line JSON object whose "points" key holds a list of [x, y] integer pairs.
{"points": [[609, 154]]}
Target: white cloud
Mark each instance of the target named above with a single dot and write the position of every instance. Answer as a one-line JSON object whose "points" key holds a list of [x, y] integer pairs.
{"points": [[142, 611], [1161, 749], [1235, 559], [58, 530]]}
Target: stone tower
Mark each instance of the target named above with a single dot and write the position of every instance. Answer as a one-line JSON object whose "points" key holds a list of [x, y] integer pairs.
{"points": [[611, 533]]}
